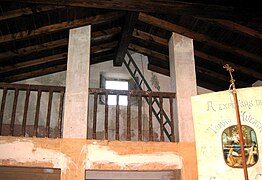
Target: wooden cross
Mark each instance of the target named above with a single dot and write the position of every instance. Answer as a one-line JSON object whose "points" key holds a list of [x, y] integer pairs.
{"points": [[230, 70]]}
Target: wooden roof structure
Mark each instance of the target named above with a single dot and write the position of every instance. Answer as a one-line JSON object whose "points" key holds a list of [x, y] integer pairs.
{"points": [[34, 36]]}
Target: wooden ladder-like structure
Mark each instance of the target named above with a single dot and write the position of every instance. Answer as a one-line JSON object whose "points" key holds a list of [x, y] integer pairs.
{"points": [[139, 79]]}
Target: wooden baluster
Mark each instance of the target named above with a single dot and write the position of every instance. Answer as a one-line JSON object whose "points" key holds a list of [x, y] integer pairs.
{"points": [[39, 93], [25, 112], [128, 124], [12, 124], [161, 119], [172, 119], [2, 108], [49, 108], [151, 138], [139, 117], [94, 115], [60, 113], [106, 116], [117, 117]]}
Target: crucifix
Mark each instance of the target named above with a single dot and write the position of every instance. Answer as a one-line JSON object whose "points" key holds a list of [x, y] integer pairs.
{"points": [[234, 91]]}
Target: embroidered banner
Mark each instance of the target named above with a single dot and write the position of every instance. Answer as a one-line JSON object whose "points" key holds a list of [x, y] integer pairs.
{"points": [[216, 134]]}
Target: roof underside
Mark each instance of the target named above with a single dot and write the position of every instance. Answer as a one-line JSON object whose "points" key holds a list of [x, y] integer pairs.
{"points": [[34, 36]]}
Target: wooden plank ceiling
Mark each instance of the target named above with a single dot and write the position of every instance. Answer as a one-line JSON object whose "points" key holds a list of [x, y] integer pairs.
{"points": [[34, 36]]}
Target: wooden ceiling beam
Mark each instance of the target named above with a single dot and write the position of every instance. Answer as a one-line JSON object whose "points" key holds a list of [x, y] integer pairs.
{"points": [[222, 77], [127, 30], [34, 48], [208, 85], [166, 7], [149, 37], [232, 26], [60, 26], [103, 58], [148, 52], [33, 74], [158, 69], [95, 36], [197, 36], [201, 83], [104, 34], [156, 39], [199, 69], [222, 62], [50, 70], [103, 47], [26, 64], [34, 62], [27, 11]]}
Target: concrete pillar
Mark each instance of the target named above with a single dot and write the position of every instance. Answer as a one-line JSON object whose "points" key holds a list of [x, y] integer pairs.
{"points": [[77, 83], [183, 82]]}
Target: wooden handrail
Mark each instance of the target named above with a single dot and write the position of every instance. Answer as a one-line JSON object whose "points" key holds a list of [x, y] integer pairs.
{"points": [[19, 129]]}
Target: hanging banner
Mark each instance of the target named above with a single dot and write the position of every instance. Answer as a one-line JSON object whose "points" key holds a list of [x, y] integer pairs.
{"points": [[216, 134]]}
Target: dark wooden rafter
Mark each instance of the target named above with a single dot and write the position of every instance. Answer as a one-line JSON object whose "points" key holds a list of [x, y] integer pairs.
{"points": [[166, 7], [148, 52], [103, 47], [24, 64], [197, 36], [34, 73], [27, 11], [215, 75], [105, 34], [206, 72], [222, 62], [51, 69], [95, 36], [39, 48], [209, 85], [158, 69], [34, 48], [47, 59], [150, 37], [103, 58], [127, 30], [233, 26], [60, 26]]}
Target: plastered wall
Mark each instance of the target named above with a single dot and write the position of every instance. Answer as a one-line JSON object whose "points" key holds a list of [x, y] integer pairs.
{"points": [[74, 156]]}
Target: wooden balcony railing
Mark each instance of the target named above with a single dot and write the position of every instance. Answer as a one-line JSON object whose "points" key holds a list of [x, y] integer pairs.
{"points": [[29, 112], [145, 126], [36, 111]]}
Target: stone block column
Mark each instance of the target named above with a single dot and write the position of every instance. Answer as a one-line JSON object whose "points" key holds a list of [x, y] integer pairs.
{"points": [[77, 83], [183, 82]]}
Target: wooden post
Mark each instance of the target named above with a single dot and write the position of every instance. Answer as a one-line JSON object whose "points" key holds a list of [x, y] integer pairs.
{"points": [[128, 123], [95, 115], [106, 116], [234, 91], [117, 117]]}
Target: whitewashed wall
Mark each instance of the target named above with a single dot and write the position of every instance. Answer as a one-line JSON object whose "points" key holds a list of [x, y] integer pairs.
{"points": [[155, 80]]}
